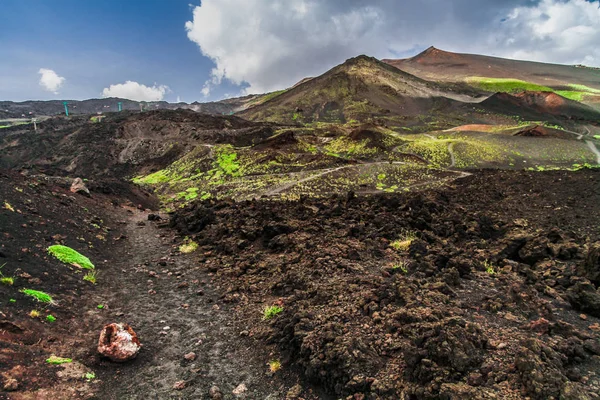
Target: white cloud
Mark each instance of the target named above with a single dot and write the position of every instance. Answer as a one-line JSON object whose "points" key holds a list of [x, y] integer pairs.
{"points": [[272, 44], [268, 44], [136, 91], [50, 80], [553, 31]]}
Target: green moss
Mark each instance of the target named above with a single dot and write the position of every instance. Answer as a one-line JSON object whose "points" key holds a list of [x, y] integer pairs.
{"points": [[188, 247], [347, 146], [42, 297], [58, 360], [7, 280], [508, 85], [154, 178], [572, 95], [70, 256]]}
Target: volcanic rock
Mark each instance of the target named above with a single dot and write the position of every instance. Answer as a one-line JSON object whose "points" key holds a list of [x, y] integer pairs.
{"points": [[118, 342], [79, 187]]}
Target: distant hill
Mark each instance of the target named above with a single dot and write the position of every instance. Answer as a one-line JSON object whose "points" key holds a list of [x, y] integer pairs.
{"points": [[575, 82], [10, 109], [362, 87], [439, 65]]}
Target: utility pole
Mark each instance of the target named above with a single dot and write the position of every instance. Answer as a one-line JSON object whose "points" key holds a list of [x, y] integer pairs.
{"points": [[120, 104], [66, 108]]}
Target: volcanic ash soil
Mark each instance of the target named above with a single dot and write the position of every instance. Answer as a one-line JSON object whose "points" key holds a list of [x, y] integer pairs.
{"points": [[484, 289]]}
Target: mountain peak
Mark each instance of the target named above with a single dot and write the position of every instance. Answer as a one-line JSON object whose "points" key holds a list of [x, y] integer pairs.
{"points": [[361, 59]]}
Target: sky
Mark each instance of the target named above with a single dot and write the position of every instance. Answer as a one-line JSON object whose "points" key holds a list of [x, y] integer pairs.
{"points": [[172, 50]]}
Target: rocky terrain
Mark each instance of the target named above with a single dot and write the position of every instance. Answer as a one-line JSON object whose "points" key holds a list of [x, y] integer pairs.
{"points": [[370, 233]]}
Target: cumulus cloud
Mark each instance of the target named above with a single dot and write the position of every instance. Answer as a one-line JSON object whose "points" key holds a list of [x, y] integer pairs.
{"points": [[50, 80], [553, 31], [135, 91], [272, 44]]}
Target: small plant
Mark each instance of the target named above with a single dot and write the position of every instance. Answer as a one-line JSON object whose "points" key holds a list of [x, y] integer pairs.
{"points": [[38, 295], [271, 311], [189, 247], [12, 300], [50, 318], [89, 376], [8, 206], [70, 256], [401, 266], [90, 277], [100, 306], [6, 280], [274, 365], [489, 268], [58, 360], [404, 241], [34, 314]]}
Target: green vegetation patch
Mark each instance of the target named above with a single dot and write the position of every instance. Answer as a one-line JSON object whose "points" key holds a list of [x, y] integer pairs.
{"points": [[155, 178], [70, 256], [507, 85], [347, 146], [188, 247], [271, 311], [42, 297], [90, 277], [227, 161], [55, 360]]}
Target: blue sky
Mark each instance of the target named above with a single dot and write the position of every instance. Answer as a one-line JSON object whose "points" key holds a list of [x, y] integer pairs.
{"points": [[94, 44], [219, 48]]}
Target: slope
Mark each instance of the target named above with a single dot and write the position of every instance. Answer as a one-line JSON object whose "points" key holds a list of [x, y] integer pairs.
{"points": [[358, 89], [499, 74]]}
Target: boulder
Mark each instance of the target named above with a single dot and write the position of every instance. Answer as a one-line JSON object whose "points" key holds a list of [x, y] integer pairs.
{"points": [[79, 187], [118, 342]]}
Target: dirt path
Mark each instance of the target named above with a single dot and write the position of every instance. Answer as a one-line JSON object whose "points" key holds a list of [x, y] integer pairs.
{"points": [[452, 157], [288, 185], [175, 311], [594, 149]]}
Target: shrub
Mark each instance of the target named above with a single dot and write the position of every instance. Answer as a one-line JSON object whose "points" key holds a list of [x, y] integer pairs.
{"points": [[401, 266], [404, 241], [271, 311], [274, 365], [489, 268], [90, 277], [70, 256], [39, 296]]}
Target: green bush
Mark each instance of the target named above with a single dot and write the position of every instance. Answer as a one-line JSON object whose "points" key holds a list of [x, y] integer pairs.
{"points": [[70, 256]]}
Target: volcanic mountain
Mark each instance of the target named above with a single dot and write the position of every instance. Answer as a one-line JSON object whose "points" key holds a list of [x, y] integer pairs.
{"points": [[439, 65], [361, 88]]}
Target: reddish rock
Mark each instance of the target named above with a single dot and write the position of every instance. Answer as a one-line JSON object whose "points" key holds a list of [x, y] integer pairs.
{"points": [[118, 342], [541, 325], [79, 187]]}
